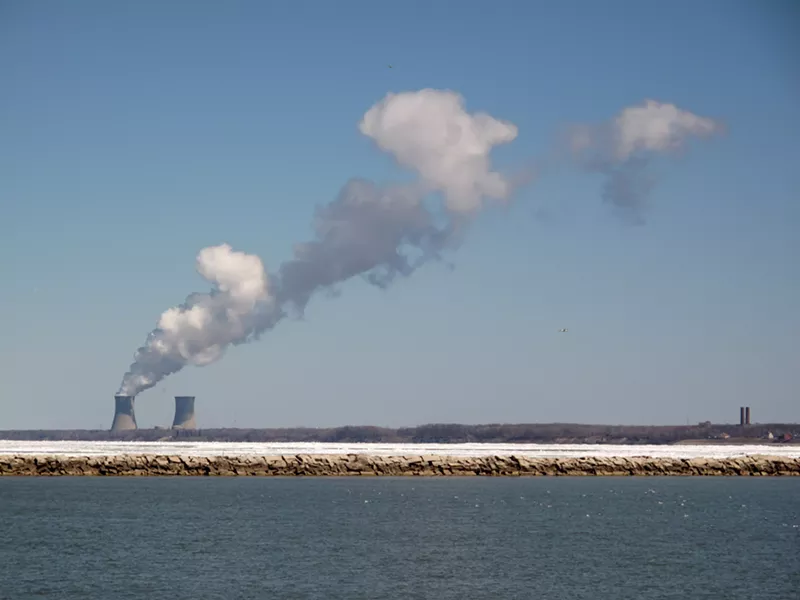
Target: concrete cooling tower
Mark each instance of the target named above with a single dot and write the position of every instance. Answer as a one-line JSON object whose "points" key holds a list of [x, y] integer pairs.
{"points": [[184, 413], [124, 417]]}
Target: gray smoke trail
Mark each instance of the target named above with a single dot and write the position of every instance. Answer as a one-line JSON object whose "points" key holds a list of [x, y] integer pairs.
{"points": [[622, 149], [368, 230]]}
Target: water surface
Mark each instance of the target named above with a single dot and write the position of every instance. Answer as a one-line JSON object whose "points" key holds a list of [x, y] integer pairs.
{"points": [[444, 538]]}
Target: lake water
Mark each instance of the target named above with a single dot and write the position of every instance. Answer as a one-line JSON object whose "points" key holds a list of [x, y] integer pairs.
{"points": [[445, 538]]}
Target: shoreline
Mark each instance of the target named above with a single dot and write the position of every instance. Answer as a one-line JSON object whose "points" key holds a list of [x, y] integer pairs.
{"points": [[338, 465], [704, 433]]}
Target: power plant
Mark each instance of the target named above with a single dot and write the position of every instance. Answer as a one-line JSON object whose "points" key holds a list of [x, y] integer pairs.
{"points": [[124, 417], [184, 413]]}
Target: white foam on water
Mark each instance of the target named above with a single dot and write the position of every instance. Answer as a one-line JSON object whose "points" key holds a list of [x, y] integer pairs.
{"points": [[81, 448]]}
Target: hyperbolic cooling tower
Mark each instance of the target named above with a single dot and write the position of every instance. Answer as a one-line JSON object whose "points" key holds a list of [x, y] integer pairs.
{"points": [[124, 418], [184, 413]]}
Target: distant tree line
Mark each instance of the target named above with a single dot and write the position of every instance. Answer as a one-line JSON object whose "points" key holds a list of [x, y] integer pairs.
{"points": [[442, 433]]}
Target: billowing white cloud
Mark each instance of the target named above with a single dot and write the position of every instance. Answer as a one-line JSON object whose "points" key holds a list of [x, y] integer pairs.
{"points": [[431, 132], [198, 331], [658, 127], [622, 147], [241, 276]]}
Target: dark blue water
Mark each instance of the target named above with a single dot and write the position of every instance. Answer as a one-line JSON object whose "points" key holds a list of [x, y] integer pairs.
{"points": [[116, 538]]}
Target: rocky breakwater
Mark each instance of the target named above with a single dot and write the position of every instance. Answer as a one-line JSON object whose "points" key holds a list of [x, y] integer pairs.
{"points": [[368, 465]]}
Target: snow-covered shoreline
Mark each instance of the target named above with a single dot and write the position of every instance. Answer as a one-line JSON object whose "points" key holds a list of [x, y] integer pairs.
{"points": [[106, 448]]}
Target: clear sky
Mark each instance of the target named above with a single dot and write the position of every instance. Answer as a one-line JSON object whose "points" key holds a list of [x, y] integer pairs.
{"points": [[133, 134]]}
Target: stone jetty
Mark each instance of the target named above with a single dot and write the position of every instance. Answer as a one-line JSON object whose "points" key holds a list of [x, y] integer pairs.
{"points": [[371, 465]]}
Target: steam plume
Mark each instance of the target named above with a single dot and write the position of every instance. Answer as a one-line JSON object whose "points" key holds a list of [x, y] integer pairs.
{"points": [[622, 148], [368, 230], [198, 331], [382, 232]]}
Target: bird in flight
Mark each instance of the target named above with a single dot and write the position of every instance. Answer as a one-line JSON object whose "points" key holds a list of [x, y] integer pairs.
{"points": [[390, 66], [563, 330]]}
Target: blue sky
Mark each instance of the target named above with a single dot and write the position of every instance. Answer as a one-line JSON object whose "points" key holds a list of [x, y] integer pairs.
{"points": [[135, 134]]}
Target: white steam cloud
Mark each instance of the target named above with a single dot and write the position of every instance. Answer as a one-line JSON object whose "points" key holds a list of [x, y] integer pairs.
{"points": [[431, 132], [621, 149], [658, 127], [372, 231], [380, 232], [198, 331]]}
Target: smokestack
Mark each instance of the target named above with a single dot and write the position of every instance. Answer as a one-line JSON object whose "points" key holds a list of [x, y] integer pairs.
{"points": [[184, 413], [124, 418], [741, 415], [747, 415]]}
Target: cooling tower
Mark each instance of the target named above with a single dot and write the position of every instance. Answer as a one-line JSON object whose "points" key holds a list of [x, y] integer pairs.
{"points": [[184, 413], [124, 418]]}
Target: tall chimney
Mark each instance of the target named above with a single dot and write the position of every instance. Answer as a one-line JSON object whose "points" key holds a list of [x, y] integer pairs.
{"points": [[747, 415], [124, 418], [741, 415], [184, 413]]}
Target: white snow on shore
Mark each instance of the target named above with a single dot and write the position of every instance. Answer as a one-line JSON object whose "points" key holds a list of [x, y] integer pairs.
{"points": [[70, 448]]}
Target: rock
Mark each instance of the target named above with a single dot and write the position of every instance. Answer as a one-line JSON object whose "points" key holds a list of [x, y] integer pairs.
{"points": [[367, 465]]}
